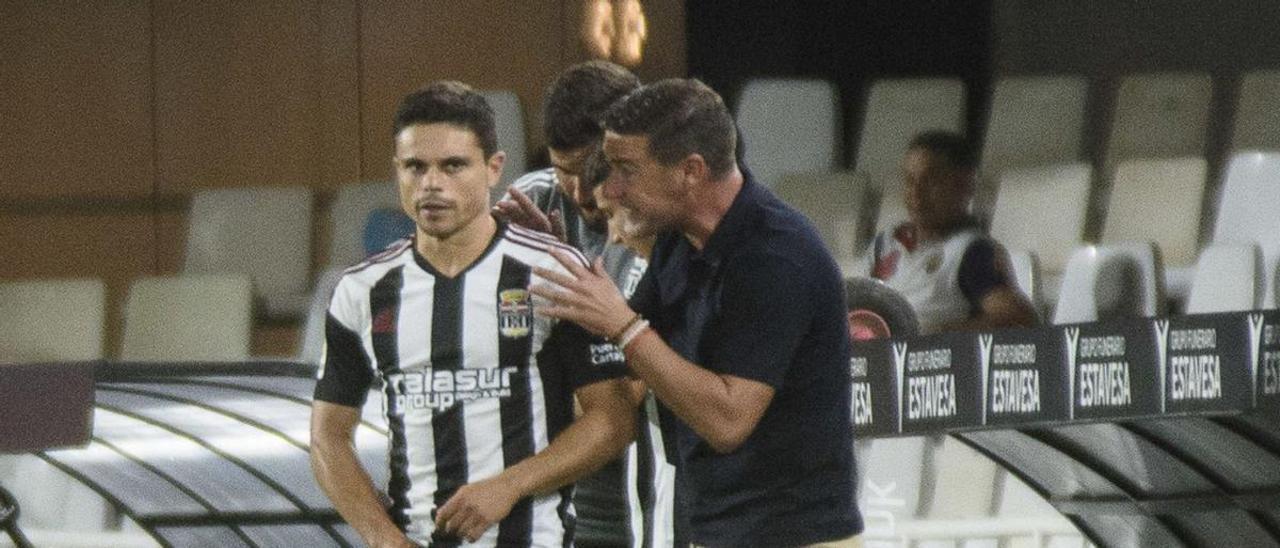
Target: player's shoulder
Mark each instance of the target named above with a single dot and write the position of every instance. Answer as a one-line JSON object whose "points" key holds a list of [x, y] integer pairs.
{"points": [[541, 180], [367, 272], [537, 248]]}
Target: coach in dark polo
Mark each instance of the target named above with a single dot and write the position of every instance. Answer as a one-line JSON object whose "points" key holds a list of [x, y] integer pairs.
{"points": [[738, 327]]}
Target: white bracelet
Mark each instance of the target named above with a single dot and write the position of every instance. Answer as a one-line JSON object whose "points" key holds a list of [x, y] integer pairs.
{"points": [[631, 333]]}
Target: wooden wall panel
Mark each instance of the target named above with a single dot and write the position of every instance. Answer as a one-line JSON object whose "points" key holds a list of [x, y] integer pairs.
{"points": [[489, 44], [76, 112], [115, 247], [241, 90]]}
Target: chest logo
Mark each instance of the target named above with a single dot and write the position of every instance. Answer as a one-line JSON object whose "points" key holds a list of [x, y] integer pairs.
{"points": [[515, 313]]}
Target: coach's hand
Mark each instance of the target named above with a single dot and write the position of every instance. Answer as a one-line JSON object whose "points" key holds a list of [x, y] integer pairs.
{"points": [[585, 296], [476, 507], [520, 210]]}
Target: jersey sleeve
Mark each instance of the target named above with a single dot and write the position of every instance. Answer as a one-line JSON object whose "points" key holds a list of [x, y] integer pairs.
{"points": [[765, 311], [583, 357], [346, 372]]}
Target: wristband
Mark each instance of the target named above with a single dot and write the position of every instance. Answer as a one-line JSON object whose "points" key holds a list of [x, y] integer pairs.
{"points": [[631, 333], [630, 324]]}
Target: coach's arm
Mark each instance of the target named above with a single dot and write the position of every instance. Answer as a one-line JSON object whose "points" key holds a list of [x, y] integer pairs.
{"points": [[344, 480]]}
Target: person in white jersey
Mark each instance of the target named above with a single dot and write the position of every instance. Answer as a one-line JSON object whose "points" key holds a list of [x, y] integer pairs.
{"points": [[953, 274]]}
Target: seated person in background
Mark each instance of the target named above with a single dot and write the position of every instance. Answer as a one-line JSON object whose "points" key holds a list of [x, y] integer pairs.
{"points": [[953, 274]]}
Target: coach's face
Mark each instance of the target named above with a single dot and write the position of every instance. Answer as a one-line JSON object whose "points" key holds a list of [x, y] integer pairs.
{"points": [[444, 178], [653, 194]]}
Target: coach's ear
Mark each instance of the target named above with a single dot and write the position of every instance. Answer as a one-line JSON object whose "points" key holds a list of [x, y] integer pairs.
{"points": [[694, 169]]}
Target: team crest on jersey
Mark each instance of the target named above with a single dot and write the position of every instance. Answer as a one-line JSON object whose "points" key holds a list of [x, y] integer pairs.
{"points": [[515, 313]]}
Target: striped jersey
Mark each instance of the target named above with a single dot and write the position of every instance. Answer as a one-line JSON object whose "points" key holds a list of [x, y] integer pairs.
{"points": [[543, 188], [472, 380]]}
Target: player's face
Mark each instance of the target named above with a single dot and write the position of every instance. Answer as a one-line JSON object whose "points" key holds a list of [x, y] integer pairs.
{"points": [[652, 194], [568, 168], [444, 178], [937, 194]]}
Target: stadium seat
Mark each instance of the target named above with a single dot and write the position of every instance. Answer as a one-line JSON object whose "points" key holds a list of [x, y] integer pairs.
{"points": [[1043, 210], [509, 117], [1159, 116], [1227, 278], [1149, 262], [349, 214], [1257, 120], [262, 232], [312, 347], [1158, 200], [896, 111], [837, 204], [1034, 120], [1249, 210], [1026, 271], [52, 320], [789, 126], [188, 318], [1098, 285]]}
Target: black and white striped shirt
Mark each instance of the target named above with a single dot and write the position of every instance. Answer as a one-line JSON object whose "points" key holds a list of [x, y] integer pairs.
{"points": [[472, 380]]}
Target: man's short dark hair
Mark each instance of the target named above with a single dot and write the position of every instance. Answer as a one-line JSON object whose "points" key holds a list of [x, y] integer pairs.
{"points": [[680, 117], [449, 102], [952, 146], [577, 100], [595, 168]]}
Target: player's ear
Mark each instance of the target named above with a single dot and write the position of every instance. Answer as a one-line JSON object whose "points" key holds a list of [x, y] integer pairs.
{"points": [[494, 164]]}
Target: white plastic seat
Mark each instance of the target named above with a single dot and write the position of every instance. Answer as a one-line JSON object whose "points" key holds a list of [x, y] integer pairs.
{"points": [[1249, 211], [1149, 271], [789, 126], [1257, 120], [509, 122], [347, 215], [1158, 200], [1034, 120], [1159, 116], [1227, 278], [1043, 209], [836, 203], [262, 232], [896, 111], [188, 318], [52, 320], [1098, 285], [312, 347], [1026, 271]]}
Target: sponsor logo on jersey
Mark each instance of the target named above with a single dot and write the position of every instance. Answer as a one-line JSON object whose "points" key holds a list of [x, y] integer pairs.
{"points": [[515, 313]]}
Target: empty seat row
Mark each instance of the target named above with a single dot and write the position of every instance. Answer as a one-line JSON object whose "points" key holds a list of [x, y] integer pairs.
{"points": [[197, 317], [792, 125]]}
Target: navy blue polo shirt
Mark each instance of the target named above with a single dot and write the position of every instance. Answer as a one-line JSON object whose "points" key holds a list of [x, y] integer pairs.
{"points": [[764, 301]]}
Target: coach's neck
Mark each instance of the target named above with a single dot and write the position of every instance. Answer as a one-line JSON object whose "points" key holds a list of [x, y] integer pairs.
{"points": [[707, 202]]}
